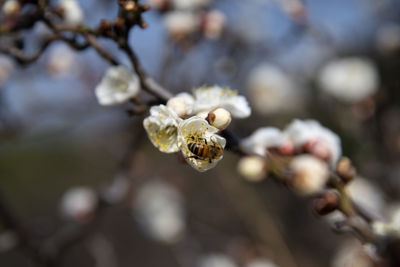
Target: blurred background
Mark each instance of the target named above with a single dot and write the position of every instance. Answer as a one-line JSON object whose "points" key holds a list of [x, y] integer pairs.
{"points": [[334, 61]]}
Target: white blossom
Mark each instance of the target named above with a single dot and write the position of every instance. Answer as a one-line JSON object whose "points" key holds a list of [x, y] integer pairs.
{"points": [[159, 209], [190, 4], [262, 139], [219, 118], [260, 262], [271, 90], [72, 12], [182, 104], [117, 86], [162, 128], [310, 174], [349, 79], [196, 132], [79, 203], [181, 23], [320, 141], [209, 98], [252, 168], [62, 61], [217, 260], [11, 7], [213, 24]]}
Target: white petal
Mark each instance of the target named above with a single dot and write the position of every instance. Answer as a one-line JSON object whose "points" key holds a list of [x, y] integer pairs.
{"points": [[117, 86], [197, 130], [162, 128], [261, 140], [208, 98]]}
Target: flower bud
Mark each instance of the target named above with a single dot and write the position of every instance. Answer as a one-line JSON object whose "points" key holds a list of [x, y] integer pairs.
{"points": [[79, 204], [309, 174], [219, 118], [345, 169], [252, 168], [11, 8], [326, 203]]}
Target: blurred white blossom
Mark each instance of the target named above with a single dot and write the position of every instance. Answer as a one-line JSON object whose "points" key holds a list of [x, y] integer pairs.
{"points": [[315, 139], [213, 24], [162, 128], [252, 168], [181, 23], [199, 143], [271, 90], [217, 260], [62, 61], [72, 12], [79, 203], [349, 79], [260, 262], [11, 7], [7, 67], [309, 174], [182, 104], [190, 4], [209, 98], [158, 207], [117, 86], [262, 139]]}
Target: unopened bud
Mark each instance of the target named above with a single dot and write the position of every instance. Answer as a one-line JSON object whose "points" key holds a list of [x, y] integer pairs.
{"points": [[326, 203], [309, 174], [219, 118], [252, 168], [345, 169], [11, 8], [182, 104]]}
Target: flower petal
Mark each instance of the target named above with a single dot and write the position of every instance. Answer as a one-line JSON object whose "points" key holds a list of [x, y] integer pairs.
{"points": [[162, 128], [196, 132]]}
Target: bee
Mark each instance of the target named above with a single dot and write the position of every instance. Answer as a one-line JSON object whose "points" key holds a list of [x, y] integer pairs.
{"points": [[204, 150]]}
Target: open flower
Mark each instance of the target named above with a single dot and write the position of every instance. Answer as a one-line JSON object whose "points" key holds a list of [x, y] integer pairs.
{"points": [[262, 139], [118, 85], [271, 90], [315, 139], [162, 128], [199, 143], [349, 79], [209, 98], [182, 104]]}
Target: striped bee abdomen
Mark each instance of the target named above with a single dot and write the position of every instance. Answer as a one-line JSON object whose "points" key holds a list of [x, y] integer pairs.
{"points": [[199, 149]]}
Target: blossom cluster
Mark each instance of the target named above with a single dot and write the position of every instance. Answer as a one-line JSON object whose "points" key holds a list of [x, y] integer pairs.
{"points": [[183, 18], [190, 124], [313, 150]]}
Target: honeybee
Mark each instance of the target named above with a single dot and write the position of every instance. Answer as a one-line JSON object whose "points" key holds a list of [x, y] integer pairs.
{"points": [[204, 151]]}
